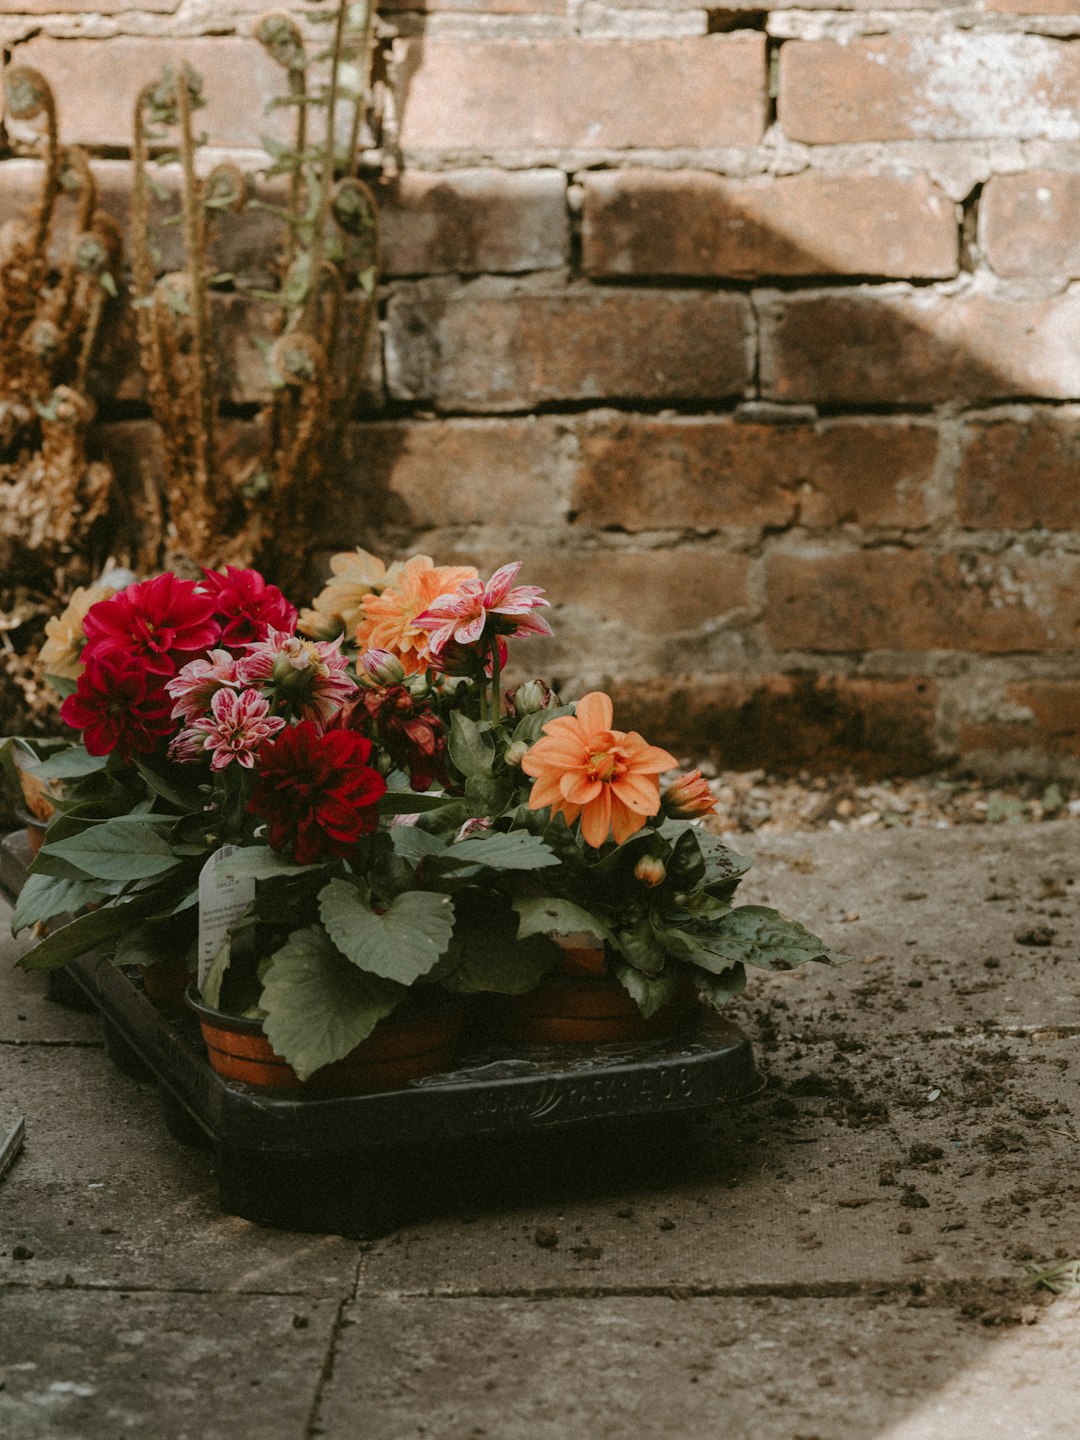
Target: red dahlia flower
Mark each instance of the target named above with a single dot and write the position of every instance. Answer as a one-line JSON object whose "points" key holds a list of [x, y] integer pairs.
{"points": [[246, 606], [316, 791], [410, 731], [154, 623], [119, 705]]}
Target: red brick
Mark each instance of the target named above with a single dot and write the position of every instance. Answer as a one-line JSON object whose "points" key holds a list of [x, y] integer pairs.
{"points": [[240, 78], [1053, 725], [683, 222], [581, 94], [1021, 474], [786, 722], [474, 221], [929, 87], [887, 599], [708, 474], [474, 348], [1030, 224], [242, 376], [886, 346]]}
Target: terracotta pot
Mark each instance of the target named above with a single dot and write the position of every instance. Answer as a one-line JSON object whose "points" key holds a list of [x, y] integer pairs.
{"points": [[581, 1004], [166, 983], [414, 1041]]}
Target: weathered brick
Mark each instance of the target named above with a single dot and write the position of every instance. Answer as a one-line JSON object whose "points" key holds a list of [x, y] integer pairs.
{"points": [[655, 222], [949, 86], [708, 474], [83, 7], [1031, 7], [1029, 224], [884, 346], [887, 599], [1021, 474], [242, 376], [107, 75], [478, 7], [1051, 725], [490, 95], [423, 474], [786, 722], [474, 348], [474, 221]]}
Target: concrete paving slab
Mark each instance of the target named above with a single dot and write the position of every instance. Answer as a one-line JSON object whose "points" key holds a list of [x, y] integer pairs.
{"points": [[932, 917], [26, 1016], [658, 1369], [76, 1365], [103, 1194], [934, 1162]]}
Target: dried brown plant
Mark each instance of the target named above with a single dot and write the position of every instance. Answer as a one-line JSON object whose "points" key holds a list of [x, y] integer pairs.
{"points": [[58, 523], [222, 506]]}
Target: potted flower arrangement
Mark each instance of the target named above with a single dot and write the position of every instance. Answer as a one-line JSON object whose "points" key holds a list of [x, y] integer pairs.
{"points": [[340, 824]]}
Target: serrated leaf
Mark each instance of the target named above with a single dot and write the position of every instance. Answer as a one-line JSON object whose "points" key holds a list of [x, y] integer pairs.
{"points": [[258, 862], [319, 1007], [719, 989], [649, 992], [471, 746], [414, 844], [512, 850], [545, 915], [116, 850], [402, 944], [43, 897], [85, 932], [758, 935]]}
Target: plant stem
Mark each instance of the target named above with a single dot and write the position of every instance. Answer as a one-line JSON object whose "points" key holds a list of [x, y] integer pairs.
{"points": [[496, 675]]}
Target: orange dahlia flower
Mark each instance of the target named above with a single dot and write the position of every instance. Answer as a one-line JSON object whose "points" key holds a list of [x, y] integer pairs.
{"points": [[388, 620], [582, 767]]}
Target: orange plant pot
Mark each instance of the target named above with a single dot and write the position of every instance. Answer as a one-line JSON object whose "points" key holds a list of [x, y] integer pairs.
{"points": [[580, 1004], [401, 1048]]}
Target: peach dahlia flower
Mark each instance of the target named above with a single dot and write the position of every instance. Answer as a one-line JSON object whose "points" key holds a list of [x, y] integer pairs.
{"points": [[582, 767], [388, 621]]}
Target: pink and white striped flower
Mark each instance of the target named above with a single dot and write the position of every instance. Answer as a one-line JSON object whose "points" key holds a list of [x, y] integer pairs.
{"points": [[196, 684], [474, 610], [312, 675], [236, 727]]}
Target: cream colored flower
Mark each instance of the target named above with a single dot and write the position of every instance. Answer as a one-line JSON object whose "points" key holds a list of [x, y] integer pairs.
{"points": [[339, 605], [64, 633]]}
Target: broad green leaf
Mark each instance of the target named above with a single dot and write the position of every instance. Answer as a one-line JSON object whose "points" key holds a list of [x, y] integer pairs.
{"points": [[318, 1006], [491, 960], [414, 844], [686, 866], [719, 989], [514, 850], [71, 764], [190, 801], [471, 746], [259, 862], [409, 802], [403, 944], [545, 915], [649, 992], [116, 850], [488, 795], [85, 932], [43, 897], [643, 948], [757, 935]]}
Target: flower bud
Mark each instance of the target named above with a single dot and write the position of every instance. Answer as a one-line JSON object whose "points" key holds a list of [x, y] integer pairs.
{"points": [[689, 797], [478, 825], [516, 752], [529, 697], [650, 870], [381, 667]]}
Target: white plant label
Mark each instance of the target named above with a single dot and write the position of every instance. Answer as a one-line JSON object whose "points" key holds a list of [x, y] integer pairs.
{"points": [[221, 903]]}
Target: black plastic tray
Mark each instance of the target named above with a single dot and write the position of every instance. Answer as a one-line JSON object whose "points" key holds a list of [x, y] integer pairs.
{"points": [[360, 1165]]}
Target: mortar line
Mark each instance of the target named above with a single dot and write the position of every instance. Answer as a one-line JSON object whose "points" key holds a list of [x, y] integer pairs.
{"points": [[939, 1292], [54, 1044], [326, 1372]]}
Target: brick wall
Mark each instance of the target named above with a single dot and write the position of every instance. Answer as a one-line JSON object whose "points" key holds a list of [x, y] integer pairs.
{"points": [[755, 331]]}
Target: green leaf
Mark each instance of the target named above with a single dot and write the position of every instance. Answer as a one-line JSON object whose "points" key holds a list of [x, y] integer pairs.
{"points": [[757, 935], [488, 795], [215, 975], [406, 802], [43, 897], [160, 786], [471, 746], [85, 932], [686, 867], [71, 764], [414, 844], [546, 915], [403, 944], [644, 948], [318, 1007], [258, 862], [116, 850], [649, 992], [719, 989], [490, 960], [514, 850]]}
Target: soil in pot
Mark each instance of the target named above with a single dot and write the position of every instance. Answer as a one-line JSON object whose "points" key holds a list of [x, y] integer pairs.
{"points": [[417, 1039]]}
